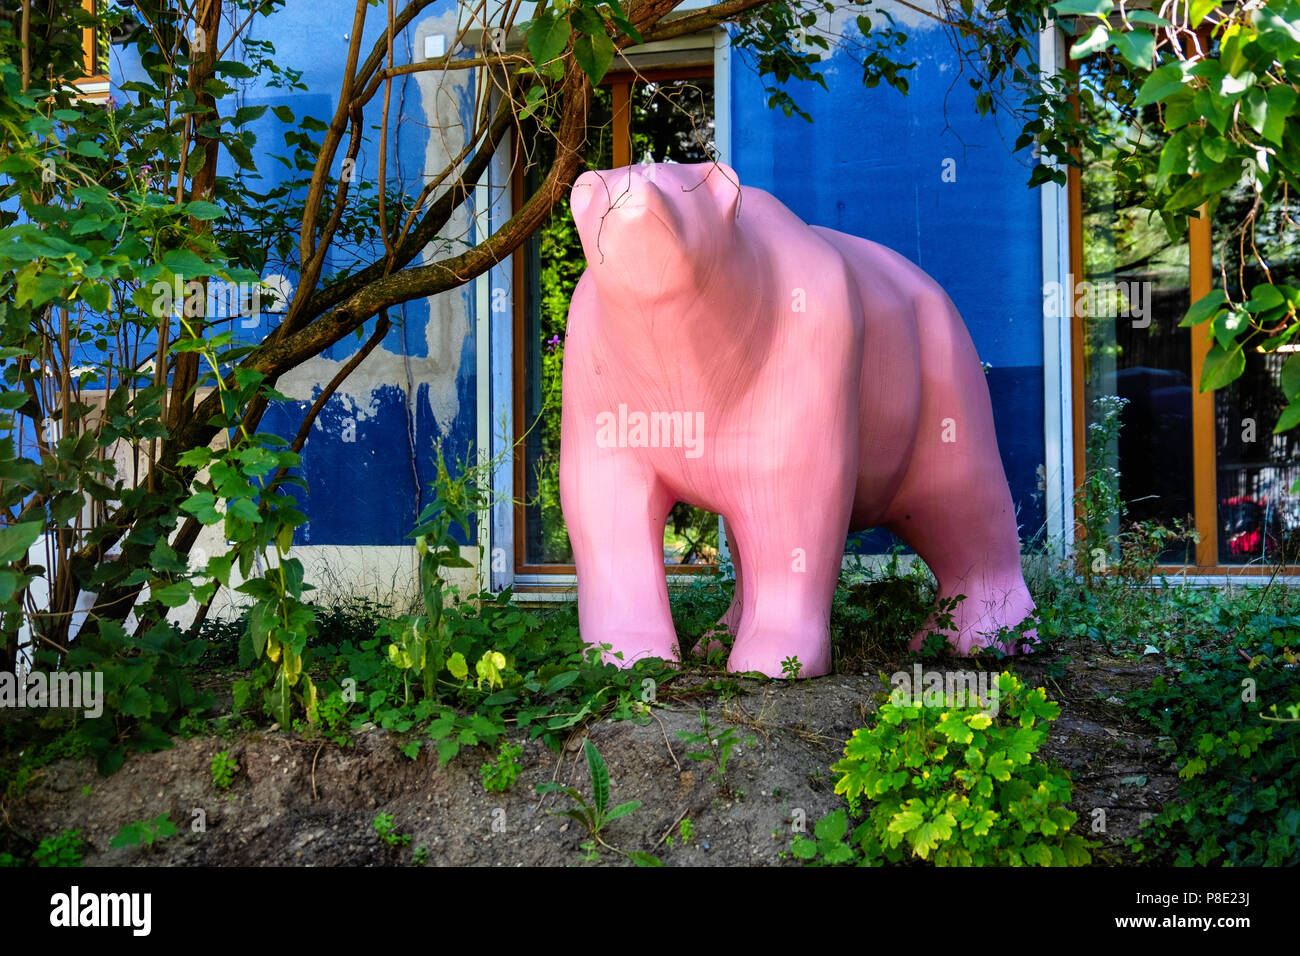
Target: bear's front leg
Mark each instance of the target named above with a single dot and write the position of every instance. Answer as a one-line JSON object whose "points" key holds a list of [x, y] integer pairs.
{"points": [[615, 511]]}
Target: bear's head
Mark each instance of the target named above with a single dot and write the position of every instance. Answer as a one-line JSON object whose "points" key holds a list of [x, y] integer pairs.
{"points": [[656, 231]]}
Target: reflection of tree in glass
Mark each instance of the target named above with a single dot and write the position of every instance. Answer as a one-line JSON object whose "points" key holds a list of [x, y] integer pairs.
{"points": [[673, 122], [1145, 358]]}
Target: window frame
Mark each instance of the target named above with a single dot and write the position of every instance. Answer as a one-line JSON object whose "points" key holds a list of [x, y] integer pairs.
{"points": [[94, 82], [1205, 510]]}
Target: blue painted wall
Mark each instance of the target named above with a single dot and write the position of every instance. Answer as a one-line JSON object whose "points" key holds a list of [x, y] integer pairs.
{"points": [[872, 164], [368, 473]]}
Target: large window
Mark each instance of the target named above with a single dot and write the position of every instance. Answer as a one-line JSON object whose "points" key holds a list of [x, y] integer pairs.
{"points": [[1210, 460], [654, 116]]}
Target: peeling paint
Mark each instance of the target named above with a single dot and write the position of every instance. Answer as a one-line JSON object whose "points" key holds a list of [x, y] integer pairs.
{"points": [[448, 323]]}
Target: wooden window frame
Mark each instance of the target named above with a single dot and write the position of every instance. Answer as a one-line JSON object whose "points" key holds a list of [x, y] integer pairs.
{"points": [[621, 82], [95, 73]]}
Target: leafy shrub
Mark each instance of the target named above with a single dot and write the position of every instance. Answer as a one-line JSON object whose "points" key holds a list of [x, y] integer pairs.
{"points": [[462, 669], [500, 775], [147, 689], [954, 786], [223, 769], [146, 832], [875, 608], [386, 826], [65, 849], [1239, 796]]}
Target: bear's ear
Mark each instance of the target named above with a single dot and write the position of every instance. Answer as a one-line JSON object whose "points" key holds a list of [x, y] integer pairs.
{"points": [[724, 185]]}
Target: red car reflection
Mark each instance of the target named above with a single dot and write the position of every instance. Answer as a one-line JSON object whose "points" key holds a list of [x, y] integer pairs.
{"points": [[1250, 527]]}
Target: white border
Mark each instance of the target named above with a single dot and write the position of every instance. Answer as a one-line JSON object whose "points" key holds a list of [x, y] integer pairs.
{"points": [[1058, 394]]}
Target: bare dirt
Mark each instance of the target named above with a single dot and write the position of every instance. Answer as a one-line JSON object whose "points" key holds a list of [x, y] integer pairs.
{"points": [[300, 802]]}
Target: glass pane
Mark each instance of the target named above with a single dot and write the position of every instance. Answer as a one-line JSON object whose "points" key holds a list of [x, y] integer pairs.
{"points": [[671, 121], [1132, 296], [1259, 519]]}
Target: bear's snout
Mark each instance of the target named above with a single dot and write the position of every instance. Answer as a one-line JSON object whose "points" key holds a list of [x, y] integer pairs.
{"points": [[585, 190]]}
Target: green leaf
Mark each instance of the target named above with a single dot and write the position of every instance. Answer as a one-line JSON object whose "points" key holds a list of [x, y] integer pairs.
{"points": [[96, 295], [129, 835], [1163, 82], [594, 54], [185, 264], [599, 776], [587, 21], [280, 699], [1082, 8], [88, 147], [644, 859], [929, 835], [136, 702], [1147, 17], [1281, 106], [1137, 47], [559, 682], [447, 750], [1200, 9], [16, 539], [905, 821], [173, 595], [202, 209], [547, 37], [1222, 366], [246, 114], [1204, 308], [1290, 377], [1289, 418], [457, 666], [1263, 297], [236, 69], [203, 506], [832, 827], [1038, 855], [803, 849], [1098, 39], [999, 767], [1234, 84], [258, 629], [1229, 325], [622, 810]]}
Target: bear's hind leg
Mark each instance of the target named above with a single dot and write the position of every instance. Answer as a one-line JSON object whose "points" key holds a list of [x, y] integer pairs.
{"points": [[973, 550]]}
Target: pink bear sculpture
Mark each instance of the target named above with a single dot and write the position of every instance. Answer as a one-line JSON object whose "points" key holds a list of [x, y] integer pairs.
{"points": [[800, 382]]}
